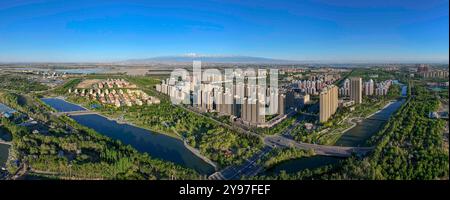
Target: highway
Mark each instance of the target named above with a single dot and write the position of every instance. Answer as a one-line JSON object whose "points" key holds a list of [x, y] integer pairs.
{"points": [[250, 167], [336, 151]]}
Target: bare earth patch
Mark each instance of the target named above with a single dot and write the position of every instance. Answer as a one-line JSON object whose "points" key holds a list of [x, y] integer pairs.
{"points": [[86, 84]]}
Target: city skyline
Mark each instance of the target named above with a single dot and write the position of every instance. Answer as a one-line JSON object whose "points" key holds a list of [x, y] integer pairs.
{"points": [[325, 31]]}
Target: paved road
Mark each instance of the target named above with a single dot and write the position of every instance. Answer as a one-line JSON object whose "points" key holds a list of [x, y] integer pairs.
{"points": [[338, 151], [308, 114], [248, 168]]}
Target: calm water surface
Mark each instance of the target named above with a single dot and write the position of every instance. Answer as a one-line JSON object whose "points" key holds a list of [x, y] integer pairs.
{"points": [[61, 105], [4, 151], [156, 145]]}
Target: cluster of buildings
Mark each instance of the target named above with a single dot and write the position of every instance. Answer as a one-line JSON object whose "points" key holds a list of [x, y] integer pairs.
{"points": [[424, 71], [53, 75], [329, 100], [434, 74], [390, 68], [369, 88], [437, 84], [315, 84], [354, 88], [293, 70], [247, 101], [114, 83], [422, 68], [114, 93], [382, 88]]}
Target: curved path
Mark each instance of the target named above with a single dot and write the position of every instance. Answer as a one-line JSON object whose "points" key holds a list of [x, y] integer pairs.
{"points": [[325, 150]]}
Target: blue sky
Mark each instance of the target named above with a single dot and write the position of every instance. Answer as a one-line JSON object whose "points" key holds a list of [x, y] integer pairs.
{"points": [[329, 30]]}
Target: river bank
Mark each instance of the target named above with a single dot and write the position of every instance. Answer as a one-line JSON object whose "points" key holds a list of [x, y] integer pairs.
{"points": [[158, 145], [116, 119], [354, 124], [175, 136]]}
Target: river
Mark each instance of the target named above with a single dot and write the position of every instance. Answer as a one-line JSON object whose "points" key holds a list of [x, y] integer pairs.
{"points": [[4, 151], [155, 144], [61, 105], [358, 135], [4, 136]]}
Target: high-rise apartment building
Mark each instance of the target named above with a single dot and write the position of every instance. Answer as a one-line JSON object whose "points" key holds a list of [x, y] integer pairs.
{"points": [[281, 104], [328, 102], [369, 87], [356, 90], [245, 100]]}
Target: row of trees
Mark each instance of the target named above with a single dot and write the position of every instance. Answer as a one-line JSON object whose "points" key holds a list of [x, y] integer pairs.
{"points": [[20, 83], [277, 156], [62, 90], [278, 128], [24, 104]]}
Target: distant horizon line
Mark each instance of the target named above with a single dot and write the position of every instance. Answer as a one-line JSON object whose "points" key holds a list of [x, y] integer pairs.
{"points": [[251, 60], [248, 63]]}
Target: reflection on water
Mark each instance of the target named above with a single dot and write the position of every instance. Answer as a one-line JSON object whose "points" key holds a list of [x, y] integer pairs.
{"points": [[3, 154], [61, 105], [156, 145], [358, 135]]}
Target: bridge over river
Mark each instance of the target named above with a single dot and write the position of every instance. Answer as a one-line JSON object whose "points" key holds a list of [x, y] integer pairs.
{"points": [[78, 112], [323, 150], [250, 167]]}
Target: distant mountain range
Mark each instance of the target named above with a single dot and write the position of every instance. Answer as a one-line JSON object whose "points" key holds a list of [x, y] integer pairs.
{"points": [[207, 59]]}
